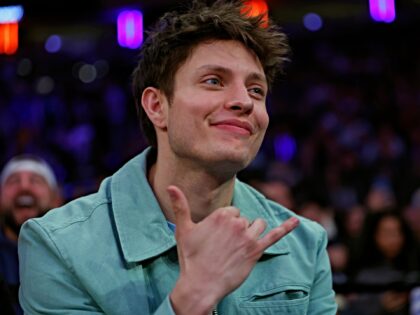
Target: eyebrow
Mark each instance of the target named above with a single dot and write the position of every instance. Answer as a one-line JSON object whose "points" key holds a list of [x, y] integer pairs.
{"points": [[220, 69], [31, 174]]}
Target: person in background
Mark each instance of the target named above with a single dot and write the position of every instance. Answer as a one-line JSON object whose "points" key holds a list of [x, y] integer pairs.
{"points": [[174, 231], [28, 189], [352, 234], [411, 213], [317, 211], [339, 258], [277, 191], [380, 197], [389, 262]]}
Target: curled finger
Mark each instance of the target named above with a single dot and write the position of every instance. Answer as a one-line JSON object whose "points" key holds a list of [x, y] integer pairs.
{"points": [[256, 228]]}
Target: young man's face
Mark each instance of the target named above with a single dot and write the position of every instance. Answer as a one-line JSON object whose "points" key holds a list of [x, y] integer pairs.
{"points": [[25, 195], [218, 115]]}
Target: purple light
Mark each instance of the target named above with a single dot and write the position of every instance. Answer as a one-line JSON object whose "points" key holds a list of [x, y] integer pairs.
{"points": [[382, 10], [312, 22], [130, 29], [53, 44], [285, 147]]}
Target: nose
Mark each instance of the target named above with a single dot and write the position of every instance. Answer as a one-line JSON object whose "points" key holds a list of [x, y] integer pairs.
{"points": [[239, 100], [24, 183]]}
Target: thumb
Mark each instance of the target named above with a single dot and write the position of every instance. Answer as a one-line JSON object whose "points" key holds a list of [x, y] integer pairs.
{"points": [[180, 207]]}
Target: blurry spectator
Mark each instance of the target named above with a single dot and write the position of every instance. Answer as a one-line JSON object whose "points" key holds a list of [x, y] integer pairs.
{"points": [[380, 197], [353, 221], [412, 213], [317, 212], [277, 191], [28, 188], [339, 258], [391, 147], [389, 260]]}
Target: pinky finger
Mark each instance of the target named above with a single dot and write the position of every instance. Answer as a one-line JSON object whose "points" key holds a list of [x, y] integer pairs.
{"points": [[278, 233]]}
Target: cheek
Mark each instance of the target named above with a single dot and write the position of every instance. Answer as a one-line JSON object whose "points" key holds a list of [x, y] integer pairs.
{"points": [[43, 194], [267, 121], [262, 118], [184, 117], [7, 196], [263, 121]]}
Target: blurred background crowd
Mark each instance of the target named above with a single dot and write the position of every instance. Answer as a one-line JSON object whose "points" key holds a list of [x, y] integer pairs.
{"points": [[343, 146]]}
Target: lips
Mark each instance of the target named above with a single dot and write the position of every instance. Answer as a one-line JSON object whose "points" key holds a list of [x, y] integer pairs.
{"points": [[241, 126]]}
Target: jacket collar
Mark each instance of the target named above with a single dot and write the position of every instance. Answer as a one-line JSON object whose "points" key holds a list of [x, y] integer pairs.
{"points": [[141, 226], [253, 205]]}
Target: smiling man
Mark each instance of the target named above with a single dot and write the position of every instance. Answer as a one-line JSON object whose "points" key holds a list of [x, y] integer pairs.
{"points": [[174, 231], [28, 188]]}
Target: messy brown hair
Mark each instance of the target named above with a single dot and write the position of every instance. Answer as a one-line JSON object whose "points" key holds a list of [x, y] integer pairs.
{"points": [[171, 41]]}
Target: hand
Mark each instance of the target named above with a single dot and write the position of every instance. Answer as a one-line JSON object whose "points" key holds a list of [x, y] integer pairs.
{"points": [[217, 254]]}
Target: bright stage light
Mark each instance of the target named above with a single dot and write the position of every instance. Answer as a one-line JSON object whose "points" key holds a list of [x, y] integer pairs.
{"points": [[382, 10], [130, 29]]}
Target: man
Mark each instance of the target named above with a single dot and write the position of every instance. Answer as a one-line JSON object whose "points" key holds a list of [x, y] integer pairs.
{"points": [[28, 188], [173, 231]]}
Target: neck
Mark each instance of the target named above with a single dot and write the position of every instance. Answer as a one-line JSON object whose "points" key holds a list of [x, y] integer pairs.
{"points": [[205, 191]]}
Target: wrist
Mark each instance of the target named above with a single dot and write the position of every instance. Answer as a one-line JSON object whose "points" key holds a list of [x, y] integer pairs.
{"points": [[186, 299]]}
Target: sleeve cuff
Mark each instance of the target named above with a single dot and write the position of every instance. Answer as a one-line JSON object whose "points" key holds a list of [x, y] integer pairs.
{"points": [[165, 308]]}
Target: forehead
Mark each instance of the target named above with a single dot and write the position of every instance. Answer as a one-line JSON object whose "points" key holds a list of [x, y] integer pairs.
{"points": [[387, 225], [24, 174], [228, 54]]}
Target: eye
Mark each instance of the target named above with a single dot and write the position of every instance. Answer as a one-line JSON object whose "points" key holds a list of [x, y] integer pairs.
{"points": [[37, 180], [257, 91], [213, 81], [12, 180]]}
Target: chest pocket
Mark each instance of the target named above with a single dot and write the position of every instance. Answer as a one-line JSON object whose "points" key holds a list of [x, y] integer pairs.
{"points": [[285, 299]]}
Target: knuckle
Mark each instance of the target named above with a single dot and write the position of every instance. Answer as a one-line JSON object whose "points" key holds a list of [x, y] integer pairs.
{"points": [[240, 224], [281, 230], [236, 226], [250, 240], [277, 234], [232, 211], [219, 215], [244, 222], [225, 213], [259, 224]]}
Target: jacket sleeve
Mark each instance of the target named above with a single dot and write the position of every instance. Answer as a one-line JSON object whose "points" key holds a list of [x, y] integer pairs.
{"points": [[322, 298], [49, 285]]}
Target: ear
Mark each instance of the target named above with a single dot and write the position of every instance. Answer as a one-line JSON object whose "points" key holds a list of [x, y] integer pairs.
{"points": [[154, 103]]}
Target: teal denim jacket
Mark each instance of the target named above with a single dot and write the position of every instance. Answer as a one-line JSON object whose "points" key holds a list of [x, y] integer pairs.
{"points": [[113, 253]]}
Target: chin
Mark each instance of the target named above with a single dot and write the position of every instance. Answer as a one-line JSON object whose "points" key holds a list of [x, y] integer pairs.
{"points": [[232, 160]]}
